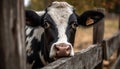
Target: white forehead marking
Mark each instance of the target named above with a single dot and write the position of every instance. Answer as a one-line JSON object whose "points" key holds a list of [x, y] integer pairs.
{"points": [[60, 13]]}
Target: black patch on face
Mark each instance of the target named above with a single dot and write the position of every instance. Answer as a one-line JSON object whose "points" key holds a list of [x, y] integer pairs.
{"points": [[72, 18], [51, 33], [70, 32], [45, 47], [49, 19]]}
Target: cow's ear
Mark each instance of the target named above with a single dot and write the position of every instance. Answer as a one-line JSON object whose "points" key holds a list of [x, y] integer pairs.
{"points": [[89, 18], [32, 18]]}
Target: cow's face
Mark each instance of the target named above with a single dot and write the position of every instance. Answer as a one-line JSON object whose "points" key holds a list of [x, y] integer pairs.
{"points": [[59, 22]]}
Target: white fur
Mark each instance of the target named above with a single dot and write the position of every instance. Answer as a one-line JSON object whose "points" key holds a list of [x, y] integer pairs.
{"points": [[60, 13], [37, 34], [28, 30]]}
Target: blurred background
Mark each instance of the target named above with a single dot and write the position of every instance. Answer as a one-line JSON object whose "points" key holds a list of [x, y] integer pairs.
{"points": [[84, 36]]}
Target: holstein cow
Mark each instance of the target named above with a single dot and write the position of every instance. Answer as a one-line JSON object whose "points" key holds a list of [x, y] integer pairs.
{"points": [[50, 33]]}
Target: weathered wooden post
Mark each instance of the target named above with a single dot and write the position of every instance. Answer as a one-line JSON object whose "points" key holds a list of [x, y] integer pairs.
{"points": [[98, 33], [98, 29], [12, 54]]}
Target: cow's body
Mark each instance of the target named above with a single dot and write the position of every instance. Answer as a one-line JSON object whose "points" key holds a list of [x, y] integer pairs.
{"points": [[50, 33]]}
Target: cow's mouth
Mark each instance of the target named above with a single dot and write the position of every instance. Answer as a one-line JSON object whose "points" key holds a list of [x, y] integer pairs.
{"points": [[56, 58], [61, 55]]}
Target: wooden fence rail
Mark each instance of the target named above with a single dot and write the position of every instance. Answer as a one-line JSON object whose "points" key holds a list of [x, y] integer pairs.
{"points": [[85, 59], [110, 45], [117, 63]]}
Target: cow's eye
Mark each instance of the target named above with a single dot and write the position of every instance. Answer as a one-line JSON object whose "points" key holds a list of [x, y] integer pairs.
{"points": [[74, 25], [46, 24]]}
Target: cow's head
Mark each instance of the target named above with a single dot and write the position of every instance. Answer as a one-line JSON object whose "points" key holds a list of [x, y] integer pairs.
{"points": [[59, 22]]}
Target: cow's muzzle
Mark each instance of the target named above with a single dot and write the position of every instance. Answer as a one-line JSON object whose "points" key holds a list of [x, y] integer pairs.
{"points": [[62, 50], [59, 50]]}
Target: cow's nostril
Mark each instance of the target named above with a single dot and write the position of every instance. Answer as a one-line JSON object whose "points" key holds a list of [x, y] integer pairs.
{"points": [[57, 47], [60, 47], [68, 48]]}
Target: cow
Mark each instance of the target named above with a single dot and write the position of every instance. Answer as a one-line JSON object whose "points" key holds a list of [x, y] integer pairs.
{"points": [[50, 33]]}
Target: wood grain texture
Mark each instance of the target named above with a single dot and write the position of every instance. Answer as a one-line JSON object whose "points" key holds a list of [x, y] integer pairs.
{"points": [[12, 53], [110, 45]]}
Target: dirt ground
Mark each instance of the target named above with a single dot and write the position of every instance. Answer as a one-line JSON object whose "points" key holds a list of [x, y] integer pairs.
{"points": [[84, 37]]}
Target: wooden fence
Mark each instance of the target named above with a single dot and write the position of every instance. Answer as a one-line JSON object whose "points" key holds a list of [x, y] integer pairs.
{"points": [[12, 53]]}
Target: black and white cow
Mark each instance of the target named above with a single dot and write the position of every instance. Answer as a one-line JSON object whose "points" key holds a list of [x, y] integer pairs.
{"points": [[50, 33]]}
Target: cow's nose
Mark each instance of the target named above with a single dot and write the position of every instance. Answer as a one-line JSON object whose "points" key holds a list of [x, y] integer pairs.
{"points": [[62, 50]]}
